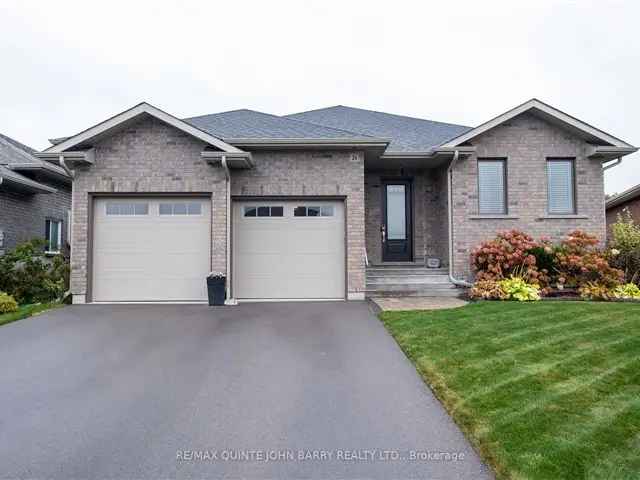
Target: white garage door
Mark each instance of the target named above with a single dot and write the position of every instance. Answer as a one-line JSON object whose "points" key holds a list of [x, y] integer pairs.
{"points": [[288, 250], [151, 249]]}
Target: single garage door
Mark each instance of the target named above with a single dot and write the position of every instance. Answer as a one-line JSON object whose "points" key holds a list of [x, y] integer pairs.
{"points": [[288, 250], [151, 249]]}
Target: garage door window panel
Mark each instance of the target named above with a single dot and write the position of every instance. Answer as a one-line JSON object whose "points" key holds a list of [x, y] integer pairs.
{"points": [[127, 209], [264, 211], [314, 211], [180, 208]]}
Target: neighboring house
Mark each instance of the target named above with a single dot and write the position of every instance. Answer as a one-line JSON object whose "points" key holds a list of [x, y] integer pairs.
{"points": [[35, 198], [628, 200], [294, 207]]}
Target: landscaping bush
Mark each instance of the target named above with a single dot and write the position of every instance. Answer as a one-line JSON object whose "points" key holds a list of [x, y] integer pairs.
{"points": [[512, 288], [579, 262], [516, 288], [7, 303], [28, 275], [487, 290], [628, 291], [624, 246], [508, 254], [519, 261], [596, 291]]}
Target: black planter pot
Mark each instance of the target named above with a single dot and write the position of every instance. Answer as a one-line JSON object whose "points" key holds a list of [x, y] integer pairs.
{"points": [[216, 290]]}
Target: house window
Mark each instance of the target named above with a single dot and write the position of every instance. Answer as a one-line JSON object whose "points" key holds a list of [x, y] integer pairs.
{"points": [[314, 211], [560, 186], [263, 211], [121, 208], [53, 235], [180, 208], [492, 191]]}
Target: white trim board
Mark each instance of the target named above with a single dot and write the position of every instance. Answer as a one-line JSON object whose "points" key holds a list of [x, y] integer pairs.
{"points": [[127, 115], [546, 110]]}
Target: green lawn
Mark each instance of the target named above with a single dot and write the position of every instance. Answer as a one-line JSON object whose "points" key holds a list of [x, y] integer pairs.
{"points": [[544, 390], [25, 311]]}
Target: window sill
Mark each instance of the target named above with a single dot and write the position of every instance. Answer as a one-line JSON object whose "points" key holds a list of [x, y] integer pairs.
{"points": [[494, 217], [564, 217], [52, 254]]}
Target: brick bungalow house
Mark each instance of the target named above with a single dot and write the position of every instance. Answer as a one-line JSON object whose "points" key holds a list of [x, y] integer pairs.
{"points": [[628, 200], [329, 204], [35, 198]]}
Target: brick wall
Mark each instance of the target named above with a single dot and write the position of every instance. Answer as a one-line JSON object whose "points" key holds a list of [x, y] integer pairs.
{"points": [[429, 212], [315, 173], [23, 215], [526, 141], [147, 157]]}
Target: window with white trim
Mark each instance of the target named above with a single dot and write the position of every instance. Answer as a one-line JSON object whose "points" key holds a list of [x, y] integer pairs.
{"points": [[560, 186], [264, 211], [180, 208], [492, 186], [53, 235], [122, 208]]}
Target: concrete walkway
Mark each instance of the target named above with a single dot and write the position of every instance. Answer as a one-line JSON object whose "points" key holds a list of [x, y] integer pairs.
{"points": [[305, 390]]}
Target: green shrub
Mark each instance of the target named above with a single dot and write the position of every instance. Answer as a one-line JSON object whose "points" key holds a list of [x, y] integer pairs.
{"points": [[7, 303], [627, 291], [487, 290], [30, 276], [624, 252], [516, 288]]}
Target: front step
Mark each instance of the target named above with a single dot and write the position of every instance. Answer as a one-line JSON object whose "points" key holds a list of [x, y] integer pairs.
{"points": [[404, 291], [409, 280]]}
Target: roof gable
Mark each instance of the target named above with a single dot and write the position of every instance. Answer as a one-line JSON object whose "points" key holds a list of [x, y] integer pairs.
{"points": [[407, 134], [547, 113], [120, 120]]}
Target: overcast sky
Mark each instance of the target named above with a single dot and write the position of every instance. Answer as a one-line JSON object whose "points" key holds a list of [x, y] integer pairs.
{"points": [[68, 65]]}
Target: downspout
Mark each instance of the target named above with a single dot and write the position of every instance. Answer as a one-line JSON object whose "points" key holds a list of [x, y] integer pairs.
{"points": [[616, 162], [227, 173], [452, 279], [65, 167]]}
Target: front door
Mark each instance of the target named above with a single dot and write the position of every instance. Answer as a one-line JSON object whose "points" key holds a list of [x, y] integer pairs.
{"points": [[396, 229]]}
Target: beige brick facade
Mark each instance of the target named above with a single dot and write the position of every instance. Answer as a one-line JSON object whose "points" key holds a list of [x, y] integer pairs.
{"points": [[152, 157], [526, 141], [147, 157], [326, 173]]}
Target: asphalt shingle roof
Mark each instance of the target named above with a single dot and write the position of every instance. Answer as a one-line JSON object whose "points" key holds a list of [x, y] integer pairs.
{"points": [[257, 125], [12, 151], [408, 134]]}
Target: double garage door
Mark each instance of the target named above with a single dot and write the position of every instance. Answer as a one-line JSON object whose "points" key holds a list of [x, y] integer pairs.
{"points": [[159, 249]]}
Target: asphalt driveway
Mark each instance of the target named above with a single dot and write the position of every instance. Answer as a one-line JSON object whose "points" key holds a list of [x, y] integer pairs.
{"points": [[254, 391]]}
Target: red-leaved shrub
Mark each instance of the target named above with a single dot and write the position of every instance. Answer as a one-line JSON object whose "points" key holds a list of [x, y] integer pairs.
{"points": [[579, 261], [509, 253]]}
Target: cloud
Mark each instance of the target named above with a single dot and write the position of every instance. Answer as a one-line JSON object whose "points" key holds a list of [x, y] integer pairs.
{"points": [[67, 65]]}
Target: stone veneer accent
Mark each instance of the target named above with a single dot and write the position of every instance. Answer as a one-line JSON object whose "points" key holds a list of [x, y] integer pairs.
{"points": [[526, 141], [146, 157], [429, 212], [334, 173]]}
